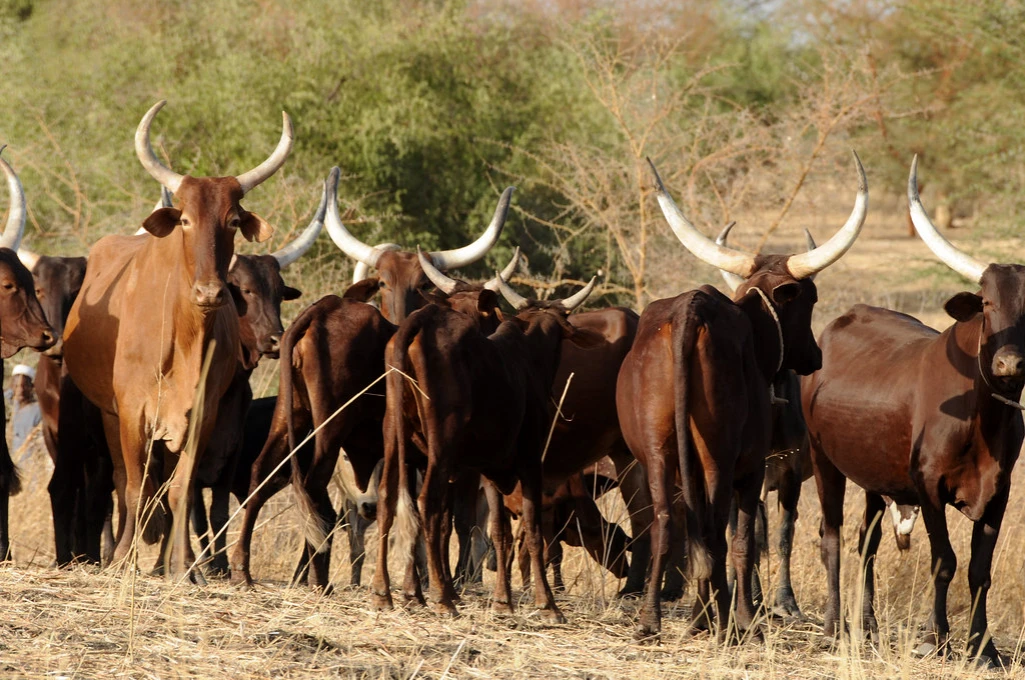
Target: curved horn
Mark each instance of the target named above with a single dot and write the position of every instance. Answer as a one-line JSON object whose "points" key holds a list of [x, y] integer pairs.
{"points": [[166, 199], [460, 257], [510, 269], [294, 250], [16, 212], [577, 298], [346, 242], [722, 257], [732, 280], [264, 170], [803, 265], [362, 270], [443, 283], [960, 262], [511, 296], [168, 178]]}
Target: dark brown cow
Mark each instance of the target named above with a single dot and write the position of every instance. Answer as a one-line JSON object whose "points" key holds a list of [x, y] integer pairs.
{"points": [[334, 350], [151, 313], [926, 418], [589, 428], [693, 400], [22, 324], [480, 402]]}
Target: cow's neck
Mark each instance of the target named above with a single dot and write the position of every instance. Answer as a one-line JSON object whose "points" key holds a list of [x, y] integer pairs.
{"points": [[768, 334]]}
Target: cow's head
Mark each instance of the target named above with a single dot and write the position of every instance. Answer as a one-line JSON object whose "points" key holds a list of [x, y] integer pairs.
{"points": [[258, 289], [208, 214], [1000, 302], [784, 282], [401, 277], [22, 322], [552, 314], [478, 301], [57, 281]]}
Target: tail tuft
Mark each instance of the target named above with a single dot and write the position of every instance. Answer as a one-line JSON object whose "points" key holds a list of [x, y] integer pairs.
{"points": [[406, 527]]}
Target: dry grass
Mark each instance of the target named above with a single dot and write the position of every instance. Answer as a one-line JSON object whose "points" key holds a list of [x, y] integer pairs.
{"points": [[88, 623]]}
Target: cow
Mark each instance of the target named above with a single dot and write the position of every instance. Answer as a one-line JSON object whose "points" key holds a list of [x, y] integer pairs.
{"points": [[332, 351], [257, 281], [477, 402], [155, 322], [788, 466], [926, 418], [22, 324], [693, 402], [589, 429]]}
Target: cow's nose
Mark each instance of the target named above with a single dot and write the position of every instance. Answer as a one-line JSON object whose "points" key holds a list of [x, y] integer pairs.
{"points": [[209, 294], [47, 338], [275, 342], [368, 510], [1008, 365]]}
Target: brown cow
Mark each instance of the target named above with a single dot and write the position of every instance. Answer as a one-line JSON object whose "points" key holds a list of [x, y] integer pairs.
{"points": [[693, 400], [333, 350], [151, 313], [480, 402], [22, 324], [926, 418]]}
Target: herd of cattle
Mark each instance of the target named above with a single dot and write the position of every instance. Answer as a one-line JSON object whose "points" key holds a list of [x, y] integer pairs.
{"points": [[148, 344]]}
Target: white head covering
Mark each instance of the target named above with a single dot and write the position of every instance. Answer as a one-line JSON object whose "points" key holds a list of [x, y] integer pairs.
{"points": [[22, 369]]}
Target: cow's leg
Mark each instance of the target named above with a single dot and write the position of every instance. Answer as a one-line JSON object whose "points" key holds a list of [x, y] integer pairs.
{"points": [[660, 480], [501, 599], [984, 538], [179, 499], [633, 485], [531, 520], [745, 550], [522, 556], [136, 488], [107, 541], [944, 564], [464, 506], [320, 558], [357, 542], [387, 502], [831, 485], [433, 501], [301, 573], [219, 512], [789, 494], [259, 493], [200, 525], [416, 564], [5, 539], [868, 543], [553, 557]]}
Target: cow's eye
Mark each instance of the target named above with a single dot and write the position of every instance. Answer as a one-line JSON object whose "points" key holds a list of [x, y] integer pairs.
{"points": [[9, 286], [184, 221], [246, 291], [234, 222]]}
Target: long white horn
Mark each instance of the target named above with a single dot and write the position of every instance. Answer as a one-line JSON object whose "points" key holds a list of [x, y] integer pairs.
{"points": [[460, 257], [577, 298], [732, 280], [734, 261], [511, 296], [168, 178], [16, 212], [294, 250], [960, 262], [362, 270], [264, 170], [443, 283], [809, 241], [803, 265], [346, 242], [510, 269]]}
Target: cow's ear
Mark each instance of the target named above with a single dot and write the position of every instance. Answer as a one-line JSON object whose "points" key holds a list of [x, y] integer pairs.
{"points": [[290, 293], [162, 221], [238, 298], [253, 227], [487, 302], [363, 291], [786, 292], [963, 306]]}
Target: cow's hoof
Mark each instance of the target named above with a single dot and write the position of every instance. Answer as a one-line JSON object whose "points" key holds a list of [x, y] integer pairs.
{"points": [[647, 631], [552, 615], [380, 602], [196, 577], [413, 599], [445, 609], [990, 659], [671, 594], [501, 607]]}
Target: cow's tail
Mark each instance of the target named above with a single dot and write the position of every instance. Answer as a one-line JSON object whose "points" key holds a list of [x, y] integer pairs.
{"points": [[315, 529], [699, 561], [10, 480], [406, 524]]}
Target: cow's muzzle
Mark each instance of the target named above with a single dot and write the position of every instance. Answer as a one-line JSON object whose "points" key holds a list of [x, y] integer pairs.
{"points": [[209, 294], [1009, 366], [368, 510], [272, 346]]}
